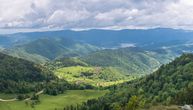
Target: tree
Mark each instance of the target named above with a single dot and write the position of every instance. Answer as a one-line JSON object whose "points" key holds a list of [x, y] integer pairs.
{"points": [[135, 103], [116, 106]]}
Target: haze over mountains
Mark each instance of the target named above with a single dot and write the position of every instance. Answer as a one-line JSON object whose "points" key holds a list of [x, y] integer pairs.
{"points": [[104, 38], [152, 39]]}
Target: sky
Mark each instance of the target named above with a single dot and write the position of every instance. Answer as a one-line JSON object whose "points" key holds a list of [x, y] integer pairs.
{"points": [[87, 14]]}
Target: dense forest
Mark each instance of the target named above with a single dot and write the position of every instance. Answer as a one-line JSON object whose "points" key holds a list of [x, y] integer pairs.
{"points": [[18, 75]]}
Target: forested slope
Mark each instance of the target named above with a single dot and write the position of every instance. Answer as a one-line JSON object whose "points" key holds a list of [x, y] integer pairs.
{"points": [[132, 60], [170, 84], [18, 74], [46, 49]]}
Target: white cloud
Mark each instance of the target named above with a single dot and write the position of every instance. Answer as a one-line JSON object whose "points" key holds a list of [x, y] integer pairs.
{"points": [[65, 17], [116, 16], [96, 13], [125, 45]]}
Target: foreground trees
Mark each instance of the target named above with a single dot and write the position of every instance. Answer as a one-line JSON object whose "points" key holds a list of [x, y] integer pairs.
{"points": [[135, 103], [185, 96]]}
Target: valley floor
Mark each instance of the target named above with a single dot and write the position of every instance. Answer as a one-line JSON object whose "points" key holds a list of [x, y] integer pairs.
{"points": [[70, 97]]}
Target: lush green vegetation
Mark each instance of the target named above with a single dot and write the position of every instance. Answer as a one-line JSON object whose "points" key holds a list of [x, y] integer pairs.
{"points": [[18, 75], [47, 102], [21, 76], [21, 70], [65, 62], [21, 53], [52, 48], [164, 84], [185, 95], [131, 60], [95, 76], [171, 84], [65, 65]]}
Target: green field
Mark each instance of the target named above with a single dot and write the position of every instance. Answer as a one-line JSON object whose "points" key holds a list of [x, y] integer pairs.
{"points": [[96, 76], [54, 102]]}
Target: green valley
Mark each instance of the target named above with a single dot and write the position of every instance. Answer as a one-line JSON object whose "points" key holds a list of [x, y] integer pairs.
{"points": [[27, 86]]}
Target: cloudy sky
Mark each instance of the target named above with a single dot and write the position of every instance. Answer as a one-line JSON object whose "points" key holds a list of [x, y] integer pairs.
{"points": [[84, 14]]}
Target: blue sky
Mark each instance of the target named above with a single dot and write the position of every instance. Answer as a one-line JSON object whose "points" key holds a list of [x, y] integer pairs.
{"points": [[86, 14]]}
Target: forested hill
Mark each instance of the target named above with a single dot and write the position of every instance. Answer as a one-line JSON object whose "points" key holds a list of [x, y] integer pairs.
{"points": [[168, 80], [170, 84], [132, 60], [20, 70], [45, 49], [15, 72]]}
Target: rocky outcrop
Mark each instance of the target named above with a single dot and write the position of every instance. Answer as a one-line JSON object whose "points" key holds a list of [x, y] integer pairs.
{"points": [[186, 107]]}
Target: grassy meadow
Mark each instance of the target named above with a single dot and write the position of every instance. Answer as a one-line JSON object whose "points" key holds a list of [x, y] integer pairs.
{"points": [[48, 102], [96, 76]]}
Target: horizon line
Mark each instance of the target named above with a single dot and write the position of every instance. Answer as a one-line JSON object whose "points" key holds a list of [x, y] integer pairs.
{"points": [[7, 31]]}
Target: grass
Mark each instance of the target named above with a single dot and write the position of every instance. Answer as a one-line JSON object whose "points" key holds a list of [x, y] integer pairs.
{"points": [[58, 102], [98, 76], [7, 96]]}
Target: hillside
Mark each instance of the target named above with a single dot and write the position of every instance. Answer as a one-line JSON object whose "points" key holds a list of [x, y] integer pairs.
{"points": [[43, 50], [163, 85], [170, 84], [20, 70], [131, 60], [21, 53], [56, 48], [65, 62], [18, 75]]}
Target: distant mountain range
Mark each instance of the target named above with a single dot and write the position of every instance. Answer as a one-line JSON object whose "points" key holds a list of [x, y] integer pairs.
{"points": [[45, 49], [102, 47], [105, 38]]}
